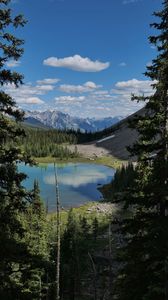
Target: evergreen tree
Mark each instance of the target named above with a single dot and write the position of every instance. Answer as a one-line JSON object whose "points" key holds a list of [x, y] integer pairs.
{"points": [[37, 204], [85, 227], [13, 196], [95, 228], [69, 252], [144, 251], [36, 239]]}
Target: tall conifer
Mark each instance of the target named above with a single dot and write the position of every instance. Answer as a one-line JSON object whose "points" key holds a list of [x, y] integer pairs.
{"points": [[144, 251], [13, 196]]}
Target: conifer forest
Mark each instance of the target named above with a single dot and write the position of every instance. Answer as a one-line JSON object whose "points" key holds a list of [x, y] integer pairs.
{"points": [[76, 253]]}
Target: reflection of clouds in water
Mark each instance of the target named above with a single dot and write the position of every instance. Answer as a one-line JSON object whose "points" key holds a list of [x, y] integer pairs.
{"points": [[84, 177]]}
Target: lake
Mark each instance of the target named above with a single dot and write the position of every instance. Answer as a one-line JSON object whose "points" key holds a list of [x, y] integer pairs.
{"points": [[78, 182]]}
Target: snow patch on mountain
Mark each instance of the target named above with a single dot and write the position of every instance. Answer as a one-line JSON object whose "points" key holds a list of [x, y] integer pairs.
{"points": [[62, 121]]}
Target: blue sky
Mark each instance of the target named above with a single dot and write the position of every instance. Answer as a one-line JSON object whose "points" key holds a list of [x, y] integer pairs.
{"points": [[84, 57]]}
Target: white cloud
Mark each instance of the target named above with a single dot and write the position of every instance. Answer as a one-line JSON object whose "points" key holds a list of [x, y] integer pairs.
{"points": [[102, 95], [44, 87], [149, 63], [91, 85], [101, 92], [105, 103], [66, 99], [77, 63], [48, 81], [27, 93], [122, 64], [88, 86], [96, 103], [13, 63], [30, 100], [134, 86]]}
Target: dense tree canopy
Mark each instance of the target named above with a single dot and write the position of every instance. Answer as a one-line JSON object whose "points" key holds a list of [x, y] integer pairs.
{"points": [[144, 251], [16, 257]]}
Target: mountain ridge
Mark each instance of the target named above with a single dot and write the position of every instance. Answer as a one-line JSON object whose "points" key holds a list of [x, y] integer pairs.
{"points": [[59, 120]]}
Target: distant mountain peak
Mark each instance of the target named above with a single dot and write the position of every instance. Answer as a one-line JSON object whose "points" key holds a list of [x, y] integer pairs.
{"points": [[59, 120]]}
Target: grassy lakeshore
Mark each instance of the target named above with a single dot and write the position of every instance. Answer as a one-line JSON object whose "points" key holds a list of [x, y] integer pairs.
{"points": [[91, 210], [108, 161]]}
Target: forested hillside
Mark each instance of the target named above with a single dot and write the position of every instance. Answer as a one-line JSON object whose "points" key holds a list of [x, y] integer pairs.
{"points": [[42, 143]]}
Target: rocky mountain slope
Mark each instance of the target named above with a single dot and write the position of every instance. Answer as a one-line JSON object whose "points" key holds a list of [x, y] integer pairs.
{"points": [[59, 120], [114, 143], [121, 137]]}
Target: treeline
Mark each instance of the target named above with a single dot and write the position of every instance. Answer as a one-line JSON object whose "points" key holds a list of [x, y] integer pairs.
{"points": [[84, 137], [42, 143], [124, 179], [52, 142]]}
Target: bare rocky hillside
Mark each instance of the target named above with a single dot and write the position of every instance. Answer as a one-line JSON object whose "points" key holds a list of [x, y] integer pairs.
{"points": [[114, 144]]}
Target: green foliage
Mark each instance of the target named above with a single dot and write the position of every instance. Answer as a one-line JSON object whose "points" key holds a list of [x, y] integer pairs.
{"points": [[43, 143], [12, 195], [124, 179], [144, 249], [36, 230], [95, 228], [79, 236], [23, 248]]}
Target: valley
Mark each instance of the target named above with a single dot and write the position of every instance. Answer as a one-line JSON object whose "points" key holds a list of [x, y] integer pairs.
{"points": [[83, 179], [109, 143]]}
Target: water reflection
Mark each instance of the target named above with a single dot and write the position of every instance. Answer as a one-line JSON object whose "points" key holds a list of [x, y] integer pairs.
{"points": [[77, 182], [77, 178]]}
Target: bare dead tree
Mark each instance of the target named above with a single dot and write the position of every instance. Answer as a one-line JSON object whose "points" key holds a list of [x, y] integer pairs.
{"points": [[58, 235], [95, 276]]}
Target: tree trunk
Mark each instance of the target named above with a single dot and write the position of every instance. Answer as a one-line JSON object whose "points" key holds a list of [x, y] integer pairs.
{"points": [[58, 239]]}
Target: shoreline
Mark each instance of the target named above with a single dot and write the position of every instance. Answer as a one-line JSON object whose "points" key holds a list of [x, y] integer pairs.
{"points": [[108, 161]]}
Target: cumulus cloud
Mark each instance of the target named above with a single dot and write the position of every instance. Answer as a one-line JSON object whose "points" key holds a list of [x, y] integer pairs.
{"points": [[122, 64], [48, 81], [86, 87], [67, 99], [102, 95], [134, 86], [77, 63], [13, 63], [97, 102], [104, 103], [44, 87], [27, 93], [30, 100], [149, 63], [101, 92]]}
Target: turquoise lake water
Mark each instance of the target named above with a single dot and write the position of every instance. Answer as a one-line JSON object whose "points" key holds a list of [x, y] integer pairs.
{"points": [[78, 182]]}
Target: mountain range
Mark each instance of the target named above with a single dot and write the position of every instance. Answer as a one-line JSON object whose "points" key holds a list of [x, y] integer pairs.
{"points": [[59, 120]]}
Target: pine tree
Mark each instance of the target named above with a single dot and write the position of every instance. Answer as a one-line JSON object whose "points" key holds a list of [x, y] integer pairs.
{"points": [[36, 239], [144, 251], [85, 227], [37, 204], [70, 267], [13, 196], [95, 228]]}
